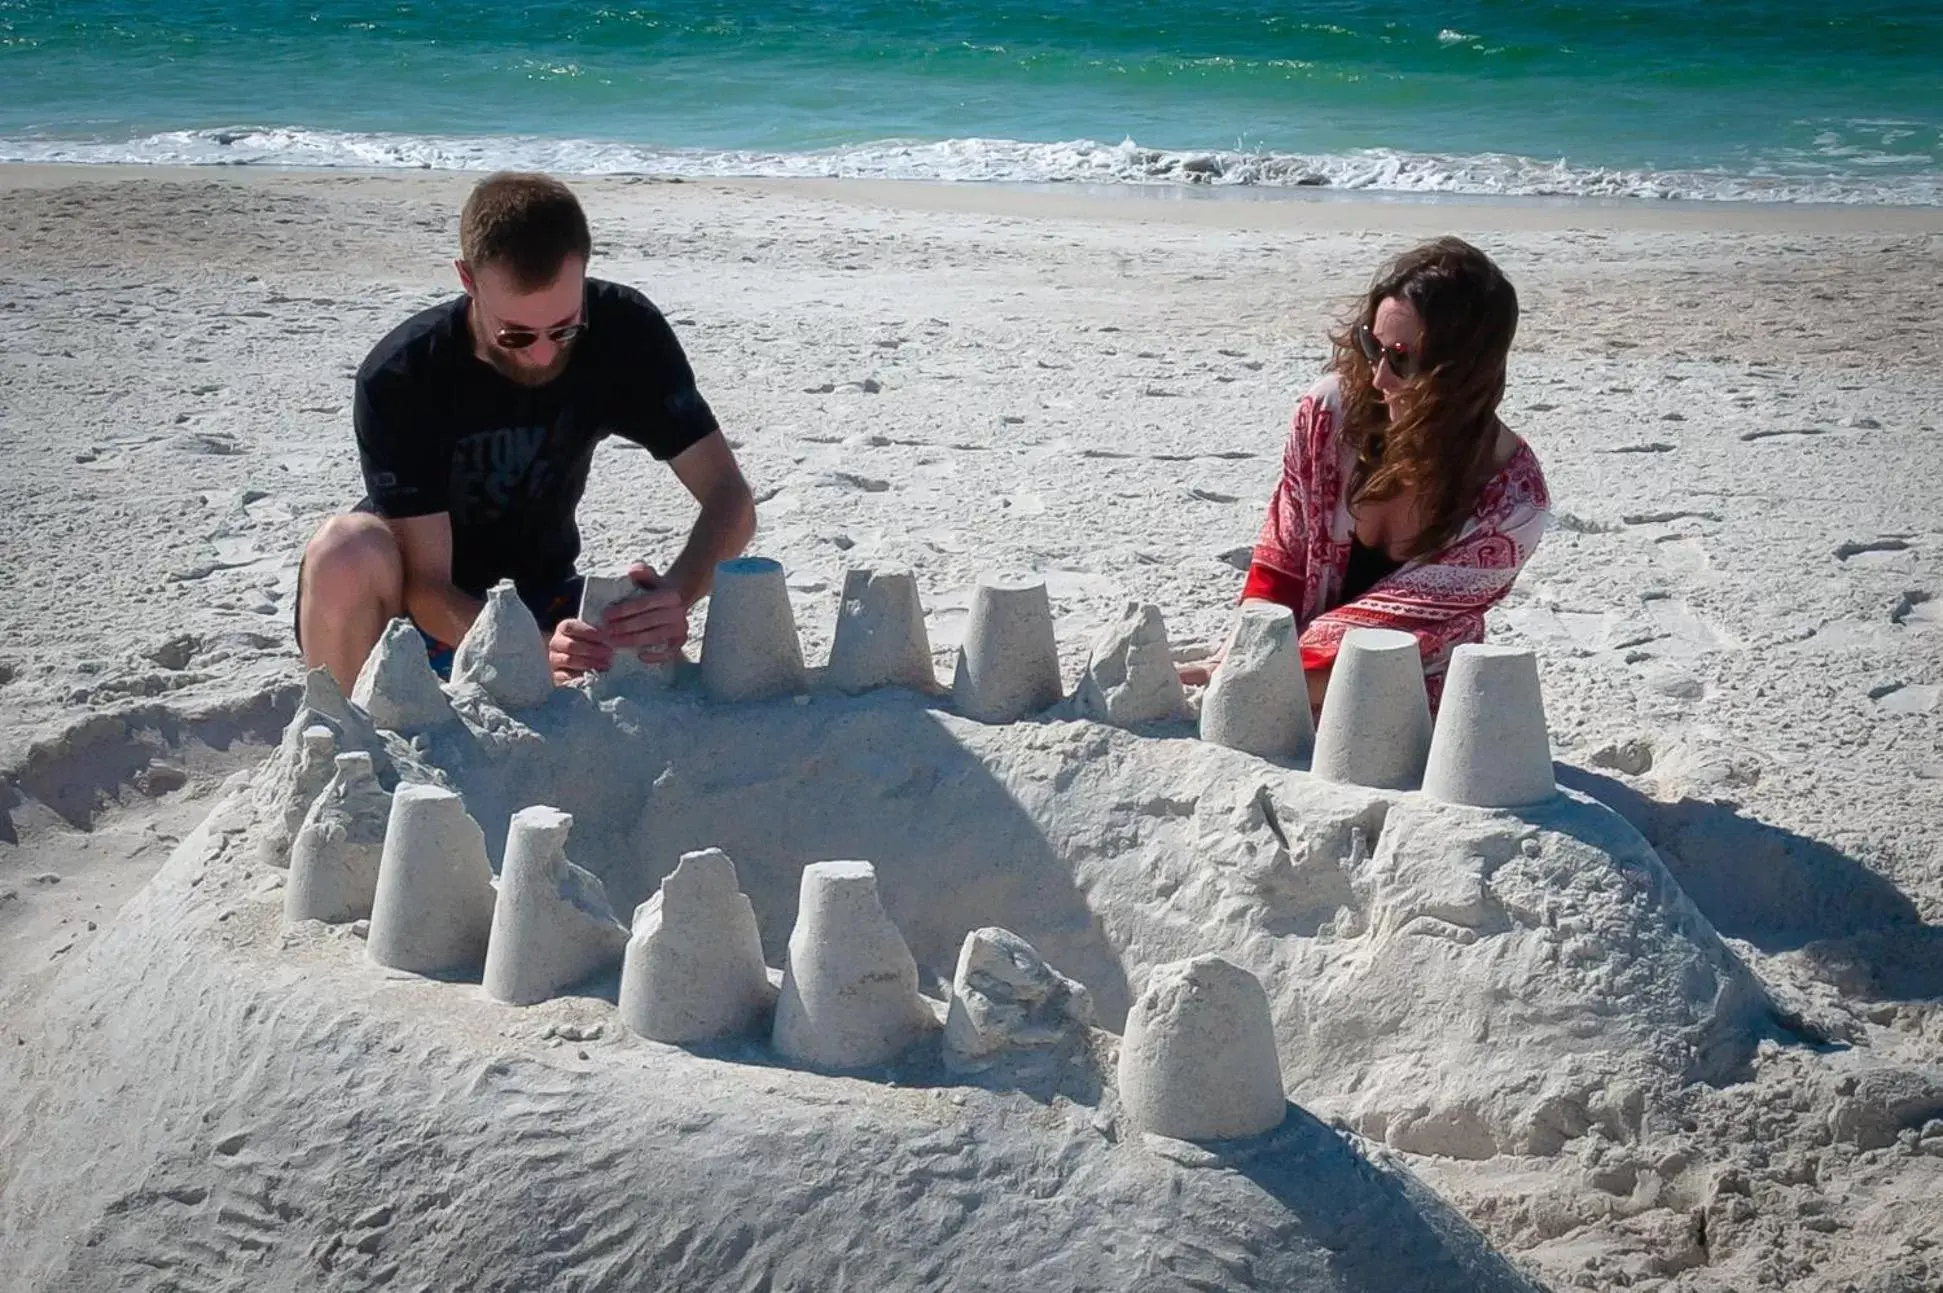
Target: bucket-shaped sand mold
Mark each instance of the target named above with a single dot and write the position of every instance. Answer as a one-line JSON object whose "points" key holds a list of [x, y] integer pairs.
{"points": [[1375, 728], [1491, 749], [694, 968], [434, 905], [551, 926], [1258, 699], [749, 645], [850, 991], [880, 639], [1198, 1060], [1008, 666]]}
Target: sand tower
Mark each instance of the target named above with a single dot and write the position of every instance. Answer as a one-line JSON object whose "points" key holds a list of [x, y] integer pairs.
{"points": [[1375, 728], [1258, 700], [1006, 1000], [1130, 675], [433, 908], [1008, 666], [1490, 748], [694, 968], [850, 992], [1198, 1060], [749, 645], [551, 926], [503, 654], [397, 687], [880, 639], [334, 862]]}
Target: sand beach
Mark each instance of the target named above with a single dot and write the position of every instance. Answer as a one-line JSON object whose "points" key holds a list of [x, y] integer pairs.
{"points": [[1737, 613]]}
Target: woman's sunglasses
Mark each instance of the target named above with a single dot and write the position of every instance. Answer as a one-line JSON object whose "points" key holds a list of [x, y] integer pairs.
{"points": [[1402, 362], [521, 338]]}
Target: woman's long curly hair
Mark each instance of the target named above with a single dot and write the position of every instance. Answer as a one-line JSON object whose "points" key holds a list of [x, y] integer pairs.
{"points": [[1439, 447]]}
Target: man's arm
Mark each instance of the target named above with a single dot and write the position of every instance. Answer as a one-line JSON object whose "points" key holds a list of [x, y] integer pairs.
{"points": [[727, 520], [655, 624], [425, 544]]}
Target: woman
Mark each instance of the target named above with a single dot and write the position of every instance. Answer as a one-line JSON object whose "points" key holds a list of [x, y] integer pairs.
{"points": [[1404, 502]]}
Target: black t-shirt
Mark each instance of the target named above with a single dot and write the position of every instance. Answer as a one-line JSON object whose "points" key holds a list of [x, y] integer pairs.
{"points": [[440, 430]]}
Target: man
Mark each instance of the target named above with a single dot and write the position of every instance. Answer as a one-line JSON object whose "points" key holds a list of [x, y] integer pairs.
{"points": [[476, 423]]}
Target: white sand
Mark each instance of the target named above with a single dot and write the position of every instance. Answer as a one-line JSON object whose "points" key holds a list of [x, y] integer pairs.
{"points": [[1738, 618]]}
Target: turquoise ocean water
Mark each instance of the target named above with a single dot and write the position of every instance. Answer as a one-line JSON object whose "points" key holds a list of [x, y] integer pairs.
{"points": [[1762, 99]]}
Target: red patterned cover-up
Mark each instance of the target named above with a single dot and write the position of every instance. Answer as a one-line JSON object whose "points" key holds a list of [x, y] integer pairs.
{"points": [[1441, 597]]}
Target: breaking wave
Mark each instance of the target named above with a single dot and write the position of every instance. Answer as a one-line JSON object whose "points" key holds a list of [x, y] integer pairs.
{"points": [[988, 161]]}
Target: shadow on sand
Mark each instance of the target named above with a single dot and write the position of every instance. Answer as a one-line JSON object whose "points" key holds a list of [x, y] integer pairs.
{"points": [[1784, 893]]}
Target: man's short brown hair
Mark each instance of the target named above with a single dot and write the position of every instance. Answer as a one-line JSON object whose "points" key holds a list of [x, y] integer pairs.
{"points": [[527, 225]]}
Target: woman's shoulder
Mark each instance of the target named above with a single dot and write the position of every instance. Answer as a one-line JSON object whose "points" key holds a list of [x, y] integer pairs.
{"points": [[1320, 410], [1518, 485], [1326, 393]]}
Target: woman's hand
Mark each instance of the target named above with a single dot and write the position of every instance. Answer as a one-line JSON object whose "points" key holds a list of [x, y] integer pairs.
{"points": [[1199, 673]]}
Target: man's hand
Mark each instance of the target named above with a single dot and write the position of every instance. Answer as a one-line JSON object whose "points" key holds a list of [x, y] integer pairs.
{"points": [[575, 648], [653, 623]]}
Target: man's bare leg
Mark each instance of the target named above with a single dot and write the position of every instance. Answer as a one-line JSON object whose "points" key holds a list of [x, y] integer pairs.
{"points": [[353, 586]]}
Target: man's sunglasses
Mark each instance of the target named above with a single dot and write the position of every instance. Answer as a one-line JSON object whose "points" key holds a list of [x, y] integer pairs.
{"points": [[1402, 362], [521, 338]]}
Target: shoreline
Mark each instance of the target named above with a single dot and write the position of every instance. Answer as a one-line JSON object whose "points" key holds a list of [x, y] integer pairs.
{"points": [[1224, 207]]}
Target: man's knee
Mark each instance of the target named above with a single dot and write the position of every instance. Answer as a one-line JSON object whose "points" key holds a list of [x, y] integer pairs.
{"points": [[353, 559]]}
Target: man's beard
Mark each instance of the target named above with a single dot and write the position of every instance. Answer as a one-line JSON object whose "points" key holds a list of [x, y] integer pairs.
{"points": [[526, 374]]}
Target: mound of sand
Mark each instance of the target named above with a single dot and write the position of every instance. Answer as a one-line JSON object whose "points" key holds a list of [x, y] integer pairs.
{"points": [[208, 1082]]}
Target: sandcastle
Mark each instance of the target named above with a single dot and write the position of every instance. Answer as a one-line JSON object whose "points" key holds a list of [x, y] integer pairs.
{"points": [[433, 907], [967, 921], [503, 654], [551, 925], [846, 996], [694, 967], [1008, 667]]}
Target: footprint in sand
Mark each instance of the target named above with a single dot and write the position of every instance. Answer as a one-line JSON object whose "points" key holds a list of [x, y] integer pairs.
{"points": [[1783, 431], [1870, 549], [1905, 698], [206, 443], [1683, 554], [1849, 635], [1685, 633], [852, 480], [1584, 631], [1661, 518], [1916, 609], [1065, 585]]}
